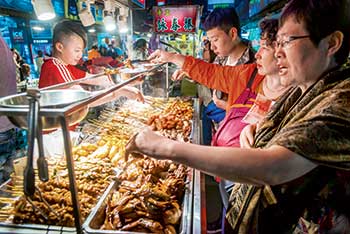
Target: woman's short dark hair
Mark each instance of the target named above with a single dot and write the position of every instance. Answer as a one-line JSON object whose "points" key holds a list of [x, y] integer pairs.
{"points": [[223, 18], [322, 18], [140, 43], [25, 68], [68, 28], [268, 29], [40, 53]]}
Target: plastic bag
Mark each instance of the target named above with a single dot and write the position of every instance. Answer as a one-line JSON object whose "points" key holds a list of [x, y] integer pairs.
{"points": [[259, 110]]}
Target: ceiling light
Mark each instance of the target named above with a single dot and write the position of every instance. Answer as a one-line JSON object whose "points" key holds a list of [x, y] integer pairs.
{"points": [[92, 30], [43, 9], [122, 20], [122, 25], [108, 15], [109, 23], [38, 28]]}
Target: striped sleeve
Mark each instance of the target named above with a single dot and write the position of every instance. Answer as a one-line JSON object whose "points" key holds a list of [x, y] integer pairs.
{"points": [[63, 71]]}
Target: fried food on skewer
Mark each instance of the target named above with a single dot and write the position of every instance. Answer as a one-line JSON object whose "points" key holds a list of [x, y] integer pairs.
{"points": [[128, 64], [111, 71]]}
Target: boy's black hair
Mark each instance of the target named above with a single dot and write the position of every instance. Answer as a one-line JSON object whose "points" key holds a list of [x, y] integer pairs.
{"points": [[68, 28], [223, 18]]}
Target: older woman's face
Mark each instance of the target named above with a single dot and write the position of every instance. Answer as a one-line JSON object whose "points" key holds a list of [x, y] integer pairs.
{"points": [[299, 61], [265, 59]]}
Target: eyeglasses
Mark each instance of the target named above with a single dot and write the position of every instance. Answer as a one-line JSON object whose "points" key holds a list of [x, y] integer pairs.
{"points": [[284, 43]]}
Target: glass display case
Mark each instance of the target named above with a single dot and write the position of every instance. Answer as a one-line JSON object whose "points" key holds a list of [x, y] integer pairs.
{"points": [[47, 109]]}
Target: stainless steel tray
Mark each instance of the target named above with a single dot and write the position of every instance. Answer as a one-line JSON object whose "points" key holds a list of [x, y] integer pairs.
{"points": [[187, 218], [91, 224], [10, 227], [34, 228]]}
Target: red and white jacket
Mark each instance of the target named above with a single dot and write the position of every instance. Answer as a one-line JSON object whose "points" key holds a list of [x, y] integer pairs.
{"points": [[53, 72]]}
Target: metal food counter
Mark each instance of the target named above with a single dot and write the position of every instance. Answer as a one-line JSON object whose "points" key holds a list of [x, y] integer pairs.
{"points": [[192, 220]]}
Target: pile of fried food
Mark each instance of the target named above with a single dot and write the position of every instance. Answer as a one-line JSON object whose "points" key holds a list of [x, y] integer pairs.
{"points": [[93, 173], [174, 122], [149, 193], [148, 199], [111, 71]]}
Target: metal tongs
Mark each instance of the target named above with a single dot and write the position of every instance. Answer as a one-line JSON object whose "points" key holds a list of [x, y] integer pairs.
{"points": [[171, 87], [35, 132]]}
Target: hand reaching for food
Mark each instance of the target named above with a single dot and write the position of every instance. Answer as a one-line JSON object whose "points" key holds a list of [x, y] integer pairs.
{"points": [[146, 142], [178, 75], [131, 93], [162, 56]]}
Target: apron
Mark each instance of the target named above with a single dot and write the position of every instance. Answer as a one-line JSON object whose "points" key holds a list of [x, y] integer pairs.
{"points": [[232, 125], [230, 129]]}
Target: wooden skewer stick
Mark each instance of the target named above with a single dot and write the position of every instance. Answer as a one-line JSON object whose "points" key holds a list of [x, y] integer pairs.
{"points": [[13, 187]]}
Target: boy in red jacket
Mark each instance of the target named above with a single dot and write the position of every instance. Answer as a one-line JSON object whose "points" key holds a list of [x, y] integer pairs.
{"points": [[69, 41]]}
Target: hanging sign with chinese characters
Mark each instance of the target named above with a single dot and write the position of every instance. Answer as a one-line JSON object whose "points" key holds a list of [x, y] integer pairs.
{"points": [[173, 19]]}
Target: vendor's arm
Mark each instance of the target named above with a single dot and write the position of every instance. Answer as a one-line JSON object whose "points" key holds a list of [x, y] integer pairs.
{"points": [[126, 91], [102, 80], [274, 165]]}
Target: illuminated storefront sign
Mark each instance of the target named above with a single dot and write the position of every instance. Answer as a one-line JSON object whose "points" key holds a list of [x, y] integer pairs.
{"points": [[40, 41], [18, 35], [140, 3], [175, 19]]}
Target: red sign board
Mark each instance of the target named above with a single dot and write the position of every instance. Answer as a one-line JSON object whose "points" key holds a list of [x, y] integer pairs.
{"points": [[140, 3], [174, 19]]}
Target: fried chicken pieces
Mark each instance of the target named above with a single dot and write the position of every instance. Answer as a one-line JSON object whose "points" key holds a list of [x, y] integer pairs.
{"points": [[149, 192]]}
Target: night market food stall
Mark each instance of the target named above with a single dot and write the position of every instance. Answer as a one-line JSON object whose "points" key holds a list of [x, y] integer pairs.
{"points": [[94, 187]]}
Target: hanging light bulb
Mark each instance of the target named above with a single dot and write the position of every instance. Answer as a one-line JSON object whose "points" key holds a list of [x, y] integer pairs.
{"points": [[109, 23], [92, 30], [43, 9], [122, 24], [123, 27], [108, 18], [123, 20]]}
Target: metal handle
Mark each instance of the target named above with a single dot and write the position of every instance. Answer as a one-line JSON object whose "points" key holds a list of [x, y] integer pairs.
{"points": [[29, 175], [29, 181], [41, 162]]}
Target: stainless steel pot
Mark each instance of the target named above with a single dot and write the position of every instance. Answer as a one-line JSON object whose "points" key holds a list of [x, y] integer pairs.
{"points": [[49, 99]]}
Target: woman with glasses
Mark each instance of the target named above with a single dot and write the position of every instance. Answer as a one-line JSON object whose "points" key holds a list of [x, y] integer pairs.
{"points": [[295, 179], [242, 83]]}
